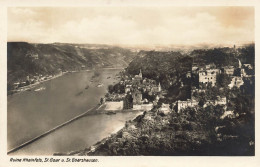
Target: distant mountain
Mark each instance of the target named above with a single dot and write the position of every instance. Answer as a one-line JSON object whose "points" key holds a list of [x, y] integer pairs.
{"points": [[30, 59]]}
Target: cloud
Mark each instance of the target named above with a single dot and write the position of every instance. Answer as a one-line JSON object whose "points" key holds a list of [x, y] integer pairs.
{"points": [[127, 26], [22, 11]]}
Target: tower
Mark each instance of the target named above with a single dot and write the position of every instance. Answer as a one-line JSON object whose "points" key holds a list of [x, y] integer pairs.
{"points": [[235, 50], [159, 87], [140, 74]]}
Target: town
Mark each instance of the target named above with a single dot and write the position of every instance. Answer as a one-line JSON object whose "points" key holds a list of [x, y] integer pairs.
{"points": [[140, 93], [31, 81]]}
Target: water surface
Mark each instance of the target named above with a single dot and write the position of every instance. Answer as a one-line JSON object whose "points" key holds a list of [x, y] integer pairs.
{"points": [[32, 113]]}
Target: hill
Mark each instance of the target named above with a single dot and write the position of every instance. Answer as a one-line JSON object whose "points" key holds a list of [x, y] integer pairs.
{"points": [[161, 66], [170, 68], [25, 59]]}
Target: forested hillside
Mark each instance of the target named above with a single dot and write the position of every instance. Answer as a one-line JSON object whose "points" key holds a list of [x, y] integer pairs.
{"points": [[25, 59]]}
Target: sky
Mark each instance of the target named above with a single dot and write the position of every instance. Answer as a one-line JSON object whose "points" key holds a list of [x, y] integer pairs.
{"points": [[132, 25]]}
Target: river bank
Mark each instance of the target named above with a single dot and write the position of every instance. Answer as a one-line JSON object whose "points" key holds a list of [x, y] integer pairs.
{"points": [[98, 145], [151, 133], [32, 86], [156, 134]]}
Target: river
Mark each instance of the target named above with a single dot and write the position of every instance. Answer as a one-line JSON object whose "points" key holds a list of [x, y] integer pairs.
{"points": [[32, 113]]}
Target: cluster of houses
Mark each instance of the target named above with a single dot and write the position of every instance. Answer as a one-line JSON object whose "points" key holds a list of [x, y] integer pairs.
{"points": [[208, 76], [136, 89], [34, 80], [31, 80], [33, 55], [194, 103]]}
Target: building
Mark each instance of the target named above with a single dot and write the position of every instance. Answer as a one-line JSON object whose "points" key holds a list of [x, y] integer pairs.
{"points": [[236, 82], [249, 66], [137, 107], [127, 88], [113, 106], [157, 89], [146, 107], [185, 104], [115, 97], [143, 107], [188, 75], [165, 109], [229, 70], [137, 97], [229, 114], [208, 76], [220, 101], [138, 77], [210, 66], [242, 72], [15, 85], [33, 55], [195, 69], [215, 70], [128, 102]]}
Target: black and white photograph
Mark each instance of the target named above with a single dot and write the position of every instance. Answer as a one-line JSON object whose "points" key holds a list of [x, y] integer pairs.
{"points": [[130, 80]]}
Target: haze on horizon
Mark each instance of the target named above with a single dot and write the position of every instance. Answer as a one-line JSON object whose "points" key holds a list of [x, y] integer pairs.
{"points": [[131, 25]]}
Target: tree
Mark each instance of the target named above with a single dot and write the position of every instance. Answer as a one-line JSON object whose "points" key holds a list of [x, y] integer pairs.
{"points": [[27, 82], [101, 100], [223, 80], [110, 89]]}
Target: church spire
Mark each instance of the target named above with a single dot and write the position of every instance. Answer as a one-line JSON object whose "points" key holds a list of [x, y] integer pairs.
{"points": [[140, 74]]}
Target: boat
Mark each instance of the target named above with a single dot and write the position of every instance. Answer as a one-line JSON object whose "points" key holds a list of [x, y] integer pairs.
{"points": [[111, 112], [40, 89], [87, 87], [108, 77], [79, 93], [100, 85]]}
